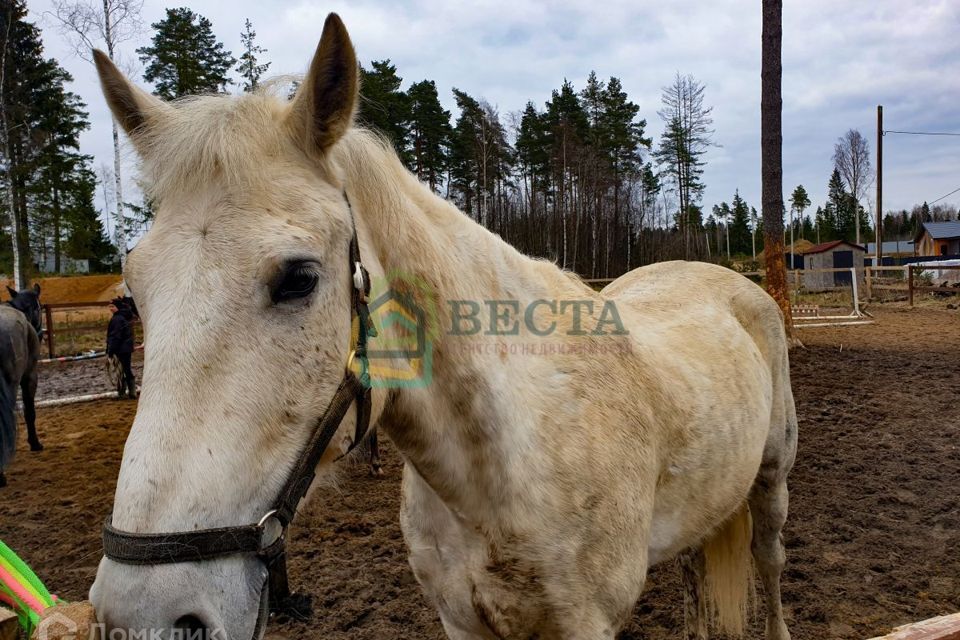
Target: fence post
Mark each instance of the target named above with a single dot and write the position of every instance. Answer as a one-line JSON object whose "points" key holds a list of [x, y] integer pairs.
{"points": [[856, 294], [869, 275], [49, 315], [910, 282]]}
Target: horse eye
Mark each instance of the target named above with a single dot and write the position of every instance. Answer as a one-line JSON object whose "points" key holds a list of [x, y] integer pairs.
{"points": [[298, 281]]}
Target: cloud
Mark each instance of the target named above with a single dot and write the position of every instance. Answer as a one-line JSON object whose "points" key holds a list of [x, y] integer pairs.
{"points": [[840, 60]]}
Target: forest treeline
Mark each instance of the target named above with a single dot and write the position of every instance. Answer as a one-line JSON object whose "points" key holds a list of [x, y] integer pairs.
{"points": [[576, 179]]}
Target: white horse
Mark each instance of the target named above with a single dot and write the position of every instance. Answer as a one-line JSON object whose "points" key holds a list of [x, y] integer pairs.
{"points": [[565, 441]]}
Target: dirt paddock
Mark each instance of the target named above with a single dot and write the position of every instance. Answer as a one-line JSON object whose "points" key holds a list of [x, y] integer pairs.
{"points": [[873, 538]]}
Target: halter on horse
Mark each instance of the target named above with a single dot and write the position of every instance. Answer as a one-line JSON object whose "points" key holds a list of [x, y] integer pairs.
{"points": [[267, 538]]}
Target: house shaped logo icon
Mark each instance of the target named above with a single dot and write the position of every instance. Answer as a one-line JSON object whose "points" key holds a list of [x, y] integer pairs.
{"points": [[57, 626], [404, 311]]}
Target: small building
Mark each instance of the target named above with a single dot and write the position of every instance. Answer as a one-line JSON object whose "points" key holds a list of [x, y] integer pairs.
{"points": [[68, 265], [938, 239], [838, 254]]}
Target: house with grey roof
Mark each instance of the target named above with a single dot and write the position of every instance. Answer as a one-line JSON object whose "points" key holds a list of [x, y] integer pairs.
{"points": [[939, 239]]}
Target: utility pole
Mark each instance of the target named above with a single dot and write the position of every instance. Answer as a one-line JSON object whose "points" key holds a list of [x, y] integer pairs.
{"points": [[793, 261], [879, 225]]}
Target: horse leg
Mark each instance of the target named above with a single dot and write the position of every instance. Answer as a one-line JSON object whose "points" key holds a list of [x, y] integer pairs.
{"points": [[28, 387], [768, 506], [376, 469], [692, 571]]}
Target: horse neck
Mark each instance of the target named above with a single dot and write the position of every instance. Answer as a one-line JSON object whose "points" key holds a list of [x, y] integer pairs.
{"points": [[461, 432]]}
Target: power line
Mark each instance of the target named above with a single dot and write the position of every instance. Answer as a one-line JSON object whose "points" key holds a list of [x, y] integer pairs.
{"points": [[922, 133], [942, 197]]}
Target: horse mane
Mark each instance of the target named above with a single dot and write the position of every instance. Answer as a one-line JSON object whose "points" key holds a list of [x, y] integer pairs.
{"points": [[228, 138], [212, 136]]}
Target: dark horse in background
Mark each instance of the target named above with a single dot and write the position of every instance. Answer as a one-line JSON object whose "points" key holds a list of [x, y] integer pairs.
{"points": [[20, 331]]}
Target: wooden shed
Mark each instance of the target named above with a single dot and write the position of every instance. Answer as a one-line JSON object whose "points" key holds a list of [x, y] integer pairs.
{"points": [[938, 239], [838, 254]]}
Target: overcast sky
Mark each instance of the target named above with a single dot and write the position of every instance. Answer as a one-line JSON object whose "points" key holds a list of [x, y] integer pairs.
{"points": [[841, 58]]}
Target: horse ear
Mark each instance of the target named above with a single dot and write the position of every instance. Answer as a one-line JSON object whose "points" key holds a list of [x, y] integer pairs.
{"points": [[324, 105], [133, 108], [12, 292], [36, 289]]}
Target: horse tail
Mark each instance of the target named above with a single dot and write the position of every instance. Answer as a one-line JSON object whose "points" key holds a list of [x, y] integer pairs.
{"points": [[8, 422], [729, 572]]}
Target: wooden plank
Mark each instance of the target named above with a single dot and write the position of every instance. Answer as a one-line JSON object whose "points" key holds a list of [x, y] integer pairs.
{"points": [[925, 287], [942, 628], [77, 305], [910, 283]]}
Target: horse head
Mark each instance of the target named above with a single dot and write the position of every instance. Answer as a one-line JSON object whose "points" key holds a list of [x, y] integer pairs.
{"points": [[244, 288], [27, 302]]}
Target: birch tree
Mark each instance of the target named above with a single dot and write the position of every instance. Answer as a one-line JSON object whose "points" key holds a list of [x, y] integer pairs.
{"points": [[8, 180], [851, 156], [91, 24]]}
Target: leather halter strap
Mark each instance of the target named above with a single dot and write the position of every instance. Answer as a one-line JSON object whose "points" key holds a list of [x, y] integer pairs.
{"points": [[265, 538]]}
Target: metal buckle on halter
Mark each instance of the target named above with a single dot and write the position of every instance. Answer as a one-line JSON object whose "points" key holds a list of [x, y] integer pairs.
{"points": [[271, 534], [351, 358]]}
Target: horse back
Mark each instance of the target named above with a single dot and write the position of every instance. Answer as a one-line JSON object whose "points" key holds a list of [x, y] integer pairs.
{"points": [[19, 345], [692, 289]]}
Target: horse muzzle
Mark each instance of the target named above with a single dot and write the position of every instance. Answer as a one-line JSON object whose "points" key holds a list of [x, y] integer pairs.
{"points": [[223, 599]]}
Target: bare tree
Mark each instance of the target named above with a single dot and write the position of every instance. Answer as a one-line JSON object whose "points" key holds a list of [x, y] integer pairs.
{"points": [[851, 155], [88, 23], [771, 156], [685, 139]]}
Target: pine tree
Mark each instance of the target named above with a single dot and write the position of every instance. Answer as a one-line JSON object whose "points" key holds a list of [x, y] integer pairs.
{"points": [[384, 107], [480, 159], [47, 180], [248, 66], [799, 200], [739, 225], [622, 139], [532, 155], [430, 132], [840, 212], [86, 237], [566, 128], [185, 57], [822, 225], [24, 70], [64, 220]]}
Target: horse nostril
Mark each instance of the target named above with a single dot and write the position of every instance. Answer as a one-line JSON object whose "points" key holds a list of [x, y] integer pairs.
{"points": [[191, 623]]}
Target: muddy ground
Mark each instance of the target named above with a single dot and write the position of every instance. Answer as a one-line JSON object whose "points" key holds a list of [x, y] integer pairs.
{"points": [[873, 538], [66, 379]]}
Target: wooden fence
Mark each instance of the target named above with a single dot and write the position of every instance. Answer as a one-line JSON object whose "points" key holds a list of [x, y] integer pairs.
{"points": [[877, 279], [86, 326], [912, 270]]}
